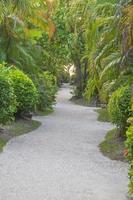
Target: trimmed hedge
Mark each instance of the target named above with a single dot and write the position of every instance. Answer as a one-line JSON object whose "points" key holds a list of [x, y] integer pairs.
{"points": [[18, 94], [25, 91], [7, 99]]}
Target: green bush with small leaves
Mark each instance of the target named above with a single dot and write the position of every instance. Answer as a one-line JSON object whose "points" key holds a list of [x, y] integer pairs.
{"points": [[119, 107], [7, 99], [129, 146], [25, 91], [129, 149], [47, 88]]}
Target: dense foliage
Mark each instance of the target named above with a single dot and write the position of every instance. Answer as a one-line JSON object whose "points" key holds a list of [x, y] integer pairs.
{"points": [[47, 88], [119, 108], [129, 145], [30, 41], [42, 37], [25, 91], [7, 99]]}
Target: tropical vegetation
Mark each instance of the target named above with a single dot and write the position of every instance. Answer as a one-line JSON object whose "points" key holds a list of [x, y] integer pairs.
{"points": [[100, 43], [40, 38]]}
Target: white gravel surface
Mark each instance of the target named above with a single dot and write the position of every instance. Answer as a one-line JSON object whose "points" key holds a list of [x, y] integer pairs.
{"points": [[61, 159]]}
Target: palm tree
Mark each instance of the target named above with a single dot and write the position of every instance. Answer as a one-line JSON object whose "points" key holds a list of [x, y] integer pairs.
{"points": [[19, 19]]}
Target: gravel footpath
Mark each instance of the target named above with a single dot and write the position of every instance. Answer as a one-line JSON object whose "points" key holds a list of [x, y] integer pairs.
{"points": [[61, 159]]}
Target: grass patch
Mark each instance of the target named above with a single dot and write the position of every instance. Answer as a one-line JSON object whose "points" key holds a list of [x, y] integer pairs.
{"points": [[103, 115], [83, 102], [2, 143], [16, 128], [21, 127], [46, 112], [113, 146]]}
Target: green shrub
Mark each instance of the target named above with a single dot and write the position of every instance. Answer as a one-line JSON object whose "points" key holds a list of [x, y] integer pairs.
{"points": [[7, 99], [119, 107], [103, 115], [65, 77], [47, 87], [25, 91], [106, 91], [72, 79], [90, 90], [129, 145]]}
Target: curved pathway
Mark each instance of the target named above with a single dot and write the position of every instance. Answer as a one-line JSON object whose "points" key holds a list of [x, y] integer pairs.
{"points": [[61, 159]]}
